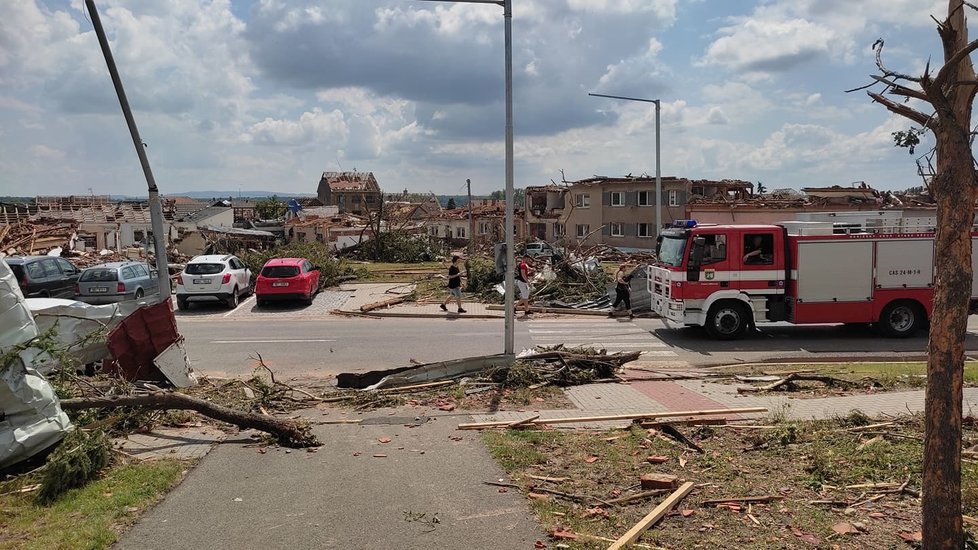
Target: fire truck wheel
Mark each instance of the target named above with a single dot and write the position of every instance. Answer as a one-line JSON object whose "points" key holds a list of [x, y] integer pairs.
{"points": [[727, 320], [901, 319]]}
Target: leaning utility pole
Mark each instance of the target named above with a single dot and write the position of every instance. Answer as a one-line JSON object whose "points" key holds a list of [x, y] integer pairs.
{"points": [[155, 208], [471, 249]]}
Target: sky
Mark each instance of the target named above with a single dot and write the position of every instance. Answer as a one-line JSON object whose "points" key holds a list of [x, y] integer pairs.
{"points": [[239, 95]]}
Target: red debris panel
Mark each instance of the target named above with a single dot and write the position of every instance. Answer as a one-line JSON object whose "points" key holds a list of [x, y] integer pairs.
{"points": [[139, 338]]}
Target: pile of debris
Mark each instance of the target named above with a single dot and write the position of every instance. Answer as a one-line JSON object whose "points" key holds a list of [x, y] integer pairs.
{"points": [[534, 368], [27, 237]]}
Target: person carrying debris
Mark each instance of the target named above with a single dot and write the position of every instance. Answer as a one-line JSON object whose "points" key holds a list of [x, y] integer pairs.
{"points": [[622, 288], [454, 286], [523, 276]]}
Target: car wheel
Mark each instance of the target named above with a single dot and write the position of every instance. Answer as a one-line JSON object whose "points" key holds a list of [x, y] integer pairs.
{"points": [[183, 303], [259, 302], [139, 294], [901, 319], [727, 320], [308, 299], [233, 299]]}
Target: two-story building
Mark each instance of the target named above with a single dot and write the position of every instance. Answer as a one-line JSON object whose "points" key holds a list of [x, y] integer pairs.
{"points": [[352, 192], [615, 211]]}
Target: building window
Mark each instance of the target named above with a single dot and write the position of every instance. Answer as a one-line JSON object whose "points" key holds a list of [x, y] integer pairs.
{"points": [[582, 200], [459, 232], [645, 230], [673, 197], [645, 198], [483, 228], [617, 198], [582, 230], [697, 191], [558, 230], [617, 229]]}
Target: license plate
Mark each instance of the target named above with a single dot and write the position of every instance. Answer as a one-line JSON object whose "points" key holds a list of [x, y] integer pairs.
{"points": [[202, 281], [280, 284], [98, 290]]}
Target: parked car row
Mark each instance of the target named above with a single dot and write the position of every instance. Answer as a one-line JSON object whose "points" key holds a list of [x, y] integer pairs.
{"points": [[221, 277], [226, 278]]}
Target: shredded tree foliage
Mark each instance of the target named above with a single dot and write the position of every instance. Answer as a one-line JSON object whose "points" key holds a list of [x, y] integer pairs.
{"points": [[79, 458]]}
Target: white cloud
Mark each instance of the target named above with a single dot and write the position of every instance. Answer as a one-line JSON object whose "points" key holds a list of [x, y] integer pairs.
{"points": [[46, 153], [766, 46], [311, 127]]}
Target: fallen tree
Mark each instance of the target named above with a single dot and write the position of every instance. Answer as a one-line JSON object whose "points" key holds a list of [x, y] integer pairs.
{"points": [[288, 433]]}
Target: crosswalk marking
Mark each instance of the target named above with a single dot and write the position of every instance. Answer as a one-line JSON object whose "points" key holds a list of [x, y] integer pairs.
{"points": [[612, 335]]}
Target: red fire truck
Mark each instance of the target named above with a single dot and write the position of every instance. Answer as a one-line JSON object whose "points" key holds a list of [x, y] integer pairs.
{"points": [[728, 278]]}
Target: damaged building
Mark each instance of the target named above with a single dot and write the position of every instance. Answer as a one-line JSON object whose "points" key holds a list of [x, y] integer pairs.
{"points": [[352, 192], [617, 211]]}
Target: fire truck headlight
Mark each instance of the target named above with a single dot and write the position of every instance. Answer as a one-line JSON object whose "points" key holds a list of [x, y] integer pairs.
{"points": [[675, 306]]}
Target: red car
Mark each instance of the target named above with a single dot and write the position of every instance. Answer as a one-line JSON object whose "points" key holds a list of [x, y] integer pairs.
{"points": [[287, 279]]}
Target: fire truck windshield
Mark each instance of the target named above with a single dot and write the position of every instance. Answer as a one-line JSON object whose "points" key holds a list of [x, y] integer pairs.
{"points": [[671, 250]]}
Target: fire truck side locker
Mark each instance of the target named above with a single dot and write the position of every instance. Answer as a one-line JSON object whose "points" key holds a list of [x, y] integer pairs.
{"points": [[832, 281]]}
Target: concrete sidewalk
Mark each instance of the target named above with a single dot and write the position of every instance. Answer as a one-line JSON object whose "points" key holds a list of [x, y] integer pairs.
{"points": [[369, 293]]}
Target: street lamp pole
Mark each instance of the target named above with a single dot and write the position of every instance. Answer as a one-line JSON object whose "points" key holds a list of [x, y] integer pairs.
{"points": [[658, 171], [510, 203], [155, 208]]}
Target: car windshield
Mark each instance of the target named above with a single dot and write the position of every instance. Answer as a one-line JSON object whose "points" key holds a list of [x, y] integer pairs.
{"points": [[204, 269], [279, 271], [99, 275], [670, 251]]}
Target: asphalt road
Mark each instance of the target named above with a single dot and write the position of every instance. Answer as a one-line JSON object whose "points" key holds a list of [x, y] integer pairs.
{"points": [[299, 341]]}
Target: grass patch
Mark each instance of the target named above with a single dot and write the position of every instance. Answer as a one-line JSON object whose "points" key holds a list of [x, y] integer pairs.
{"points": [[800, 462], [89, 517]]}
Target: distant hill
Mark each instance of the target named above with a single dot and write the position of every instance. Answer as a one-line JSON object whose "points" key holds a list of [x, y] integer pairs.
{"points": [[236, 194]]}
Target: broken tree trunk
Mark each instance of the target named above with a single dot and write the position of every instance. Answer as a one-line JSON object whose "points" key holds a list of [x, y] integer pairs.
{"points": [[795, 377], [383, 303], [288, 433]]}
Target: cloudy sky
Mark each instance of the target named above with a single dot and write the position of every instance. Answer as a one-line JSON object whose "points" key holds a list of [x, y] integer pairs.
{"points": [[267, 94]]}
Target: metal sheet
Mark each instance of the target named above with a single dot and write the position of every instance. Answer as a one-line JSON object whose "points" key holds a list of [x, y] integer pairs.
{"points": [[905, 263], [835, 271], [31, 419]]}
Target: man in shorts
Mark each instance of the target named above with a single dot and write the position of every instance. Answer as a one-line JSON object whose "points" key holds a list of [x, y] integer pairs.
{"points": [[454, 286], [523, 276]]}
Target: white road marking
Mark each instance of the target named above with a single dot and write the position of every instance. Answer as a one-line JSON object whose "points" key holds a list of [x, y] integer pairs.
{"points": [[624, 330], [606, 344], [269, 341], [239, 305]]}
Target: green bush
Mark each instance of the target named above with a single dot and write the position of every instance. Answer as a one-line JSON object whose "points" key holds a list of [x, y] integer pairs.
{"points": [[78, 459], [482, 275], [331, 269]]}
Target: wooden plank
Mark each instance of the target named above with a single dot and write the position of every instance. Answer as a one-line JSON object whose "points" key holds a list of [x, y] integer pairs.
{"points": [[762, 498], [522, 422], [655, 515], [650, 415]]}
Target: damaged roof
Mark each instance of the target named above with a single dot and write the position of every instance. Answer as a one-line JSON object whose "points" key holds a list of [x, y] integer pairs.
{"points": [[351, 181]]}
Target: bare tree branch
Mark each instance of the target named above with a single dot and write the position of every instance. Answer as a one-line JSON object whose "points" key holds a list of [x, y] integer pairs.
{"points": [[902, 110], [951, 66], [878, 47], [897, 89]]}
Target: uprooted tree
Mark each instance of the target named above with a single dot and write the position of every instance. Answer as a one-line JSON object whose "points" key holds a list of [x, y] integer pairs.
{"points": [[948, 94]]}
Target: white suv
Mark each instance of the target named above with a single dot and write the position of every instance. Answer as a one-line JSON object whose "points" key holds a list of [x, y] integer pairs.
{"points": [[218, 276]]}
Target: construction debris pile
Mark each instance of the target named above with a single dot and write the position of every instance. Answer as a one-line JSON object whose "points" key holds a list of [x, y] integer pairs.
{"points": [[30, 237], [558, 366]]}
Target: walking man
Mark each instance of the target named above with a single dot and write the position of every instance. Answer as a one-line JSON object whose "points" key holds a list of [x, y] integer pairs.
{"points": [[523, 276], [454, 286]]}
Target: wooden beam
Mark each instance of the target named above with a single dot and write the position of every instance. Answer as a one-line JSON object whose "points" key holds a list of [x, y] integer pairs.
{"points": [[655, 515], [383, 303], [522, 422], [650, 415]]}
